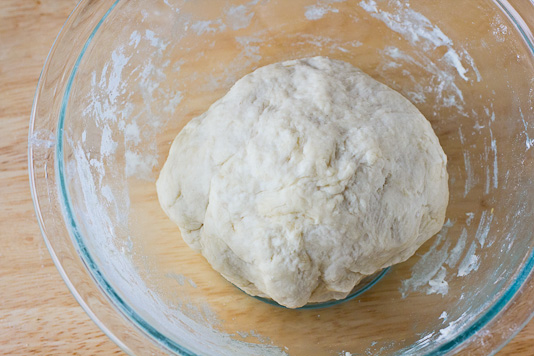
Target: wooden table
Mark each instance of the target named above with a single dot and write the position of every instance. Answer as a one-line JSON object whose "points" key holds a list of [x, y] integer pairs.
{"points": [[38, 315]]}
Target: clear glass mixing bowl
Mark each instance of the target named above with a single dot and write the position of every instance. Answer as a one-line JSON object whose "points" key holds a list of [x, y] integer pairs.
{"points": [[123, 78]]}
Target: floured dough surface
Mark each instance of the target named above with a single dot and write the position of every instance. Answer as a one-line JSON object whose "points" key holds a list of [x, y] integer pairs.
{"points": [[307, 176]]}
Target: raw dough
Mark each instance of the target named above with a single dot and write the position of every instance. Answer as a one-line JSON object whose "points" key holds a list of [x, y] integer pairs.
{"points": [[307, 176]]}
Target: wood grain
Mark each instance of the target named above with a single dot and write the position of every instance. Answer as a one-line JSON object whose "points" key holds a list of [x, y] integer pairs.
{"points": [[38, 315]]}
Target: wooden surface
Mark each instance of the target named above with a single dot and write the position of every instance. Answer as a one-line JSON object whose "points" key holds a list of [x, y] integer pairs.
{"points": [[38, 315]]}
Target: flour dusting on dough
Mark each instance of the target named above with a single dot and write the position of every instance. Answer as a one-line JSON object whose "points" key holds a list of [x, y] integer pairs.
{"points": [[263, 214]]}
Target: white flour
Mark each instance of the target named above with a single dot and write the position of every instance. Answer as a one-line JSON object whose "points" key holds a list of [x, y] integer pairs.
{"points": [[125, 130]]}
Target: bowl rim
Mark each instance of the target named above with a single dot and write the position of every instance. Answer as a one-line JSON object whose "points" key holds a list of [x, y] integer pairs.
{"points": [[485, 319], [34, 190]]}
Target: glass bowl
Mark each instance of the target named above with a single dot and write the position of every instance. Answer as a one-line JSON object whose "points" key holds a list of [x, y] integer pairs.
{"points": [[123, 78]]}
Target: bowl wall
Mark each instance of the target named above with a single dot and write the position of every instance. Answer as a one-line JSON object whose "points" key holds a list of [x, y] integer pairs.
{"points": [[109, 106]]}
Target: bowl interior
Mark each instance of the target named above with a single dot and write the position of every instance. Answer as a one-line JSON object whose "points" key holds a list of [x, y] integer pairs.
{"points": [[147, 70]]}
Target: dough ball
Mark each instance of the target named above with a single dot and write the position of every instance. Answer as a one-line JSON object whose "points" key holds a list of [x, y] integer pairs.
{"points": [[307, 176]]}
